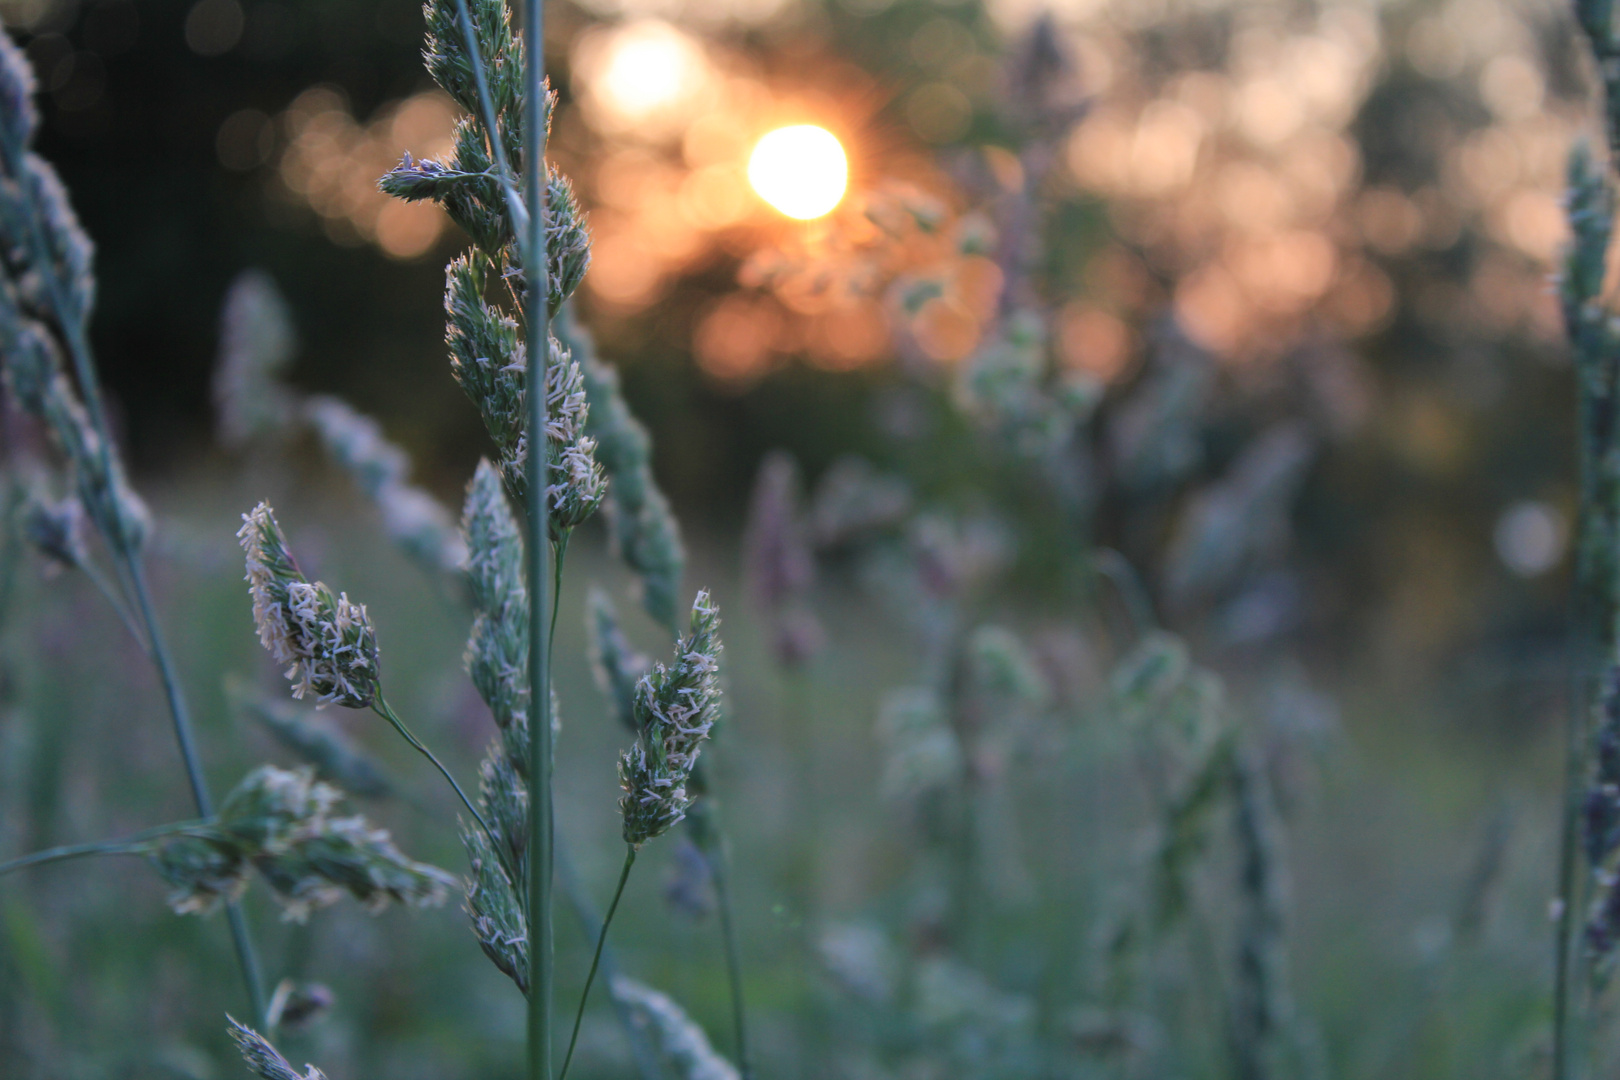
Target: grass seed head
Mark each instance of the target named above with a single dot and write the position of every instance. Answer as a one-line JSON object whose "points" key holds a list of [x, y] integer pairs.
{"points": [[497, 915], [497, 655], [263, 1060], [280, 823], [257, 343], [327, 641], [641, 529], [56, 529], [18, 116], [679, 1039], [618, 667], [854, 501], [676, 707]]}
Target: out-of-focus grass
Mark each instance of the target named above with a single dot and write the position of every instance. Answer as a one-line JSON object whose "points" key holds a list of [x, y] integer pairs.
{"points": [[1417, 959]]}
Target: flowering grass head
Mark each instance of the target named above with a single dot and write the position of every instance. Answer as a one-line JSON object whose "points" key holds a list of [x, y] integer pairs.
{"points": [[281, 824], [264, 1060], [326, 641], [676, 707]]}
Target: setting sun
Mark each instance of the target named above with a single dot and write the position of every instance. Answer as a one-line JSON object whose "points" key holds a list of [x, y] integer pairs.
{"points": [[800, 170]]}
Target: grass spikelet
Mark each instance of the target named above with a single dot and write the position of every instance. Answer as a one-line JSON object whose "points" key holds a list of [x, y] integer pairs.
{"points": [[488, 362], [778, 559], [55, 527], [493, 904], [676, 706], [853, 501], [1002, 669], [413, 519], [263, 1059], [1242, 518], [256, 345], [615, 663], [678, 1038], [497, 656], [641, 528], [36, 378], [923, 752], [280, 823], [327, 642], [335, 757], [1007, 387]]}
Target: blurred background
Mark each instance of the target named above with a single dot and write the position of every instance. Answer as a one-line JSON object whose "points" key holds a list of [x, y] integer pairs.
{"points": [[1291, 262]]}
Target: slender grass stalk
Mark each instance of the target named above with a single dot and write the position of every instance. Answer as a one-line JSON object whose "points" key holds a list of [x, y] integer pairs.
{"points": [[486, 109], [130, 845], [596, 958], [536, 470], [241, 941], [720, 869], [70, 322], [647, 1060], [381, 707], [116, 601]]}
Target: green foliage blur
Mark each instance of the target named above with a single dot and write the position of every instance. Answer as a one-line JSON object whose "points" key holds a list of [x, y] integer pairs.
{"points": [[1400, 640]]}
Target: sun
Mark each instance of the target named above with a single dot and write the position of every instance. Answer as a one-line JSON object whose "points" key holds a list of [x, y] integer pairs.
{"points": [[800, 170]]}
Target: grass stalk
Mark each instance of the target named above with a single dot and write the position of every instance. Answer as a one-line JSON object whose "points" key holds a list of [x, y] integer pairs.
{"points": [[536, 469], [647, 1060], [703, 825], [486, 110], [596, 958], [241, 940], [131, 845], [71, 323], [384, 710], [719, 868]]}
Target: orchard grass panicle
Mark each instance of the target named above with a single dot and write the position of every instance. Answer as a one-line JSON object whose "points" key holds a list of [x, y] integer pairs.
{"points": [[327, 642], [265, 1061], [676, 707]]}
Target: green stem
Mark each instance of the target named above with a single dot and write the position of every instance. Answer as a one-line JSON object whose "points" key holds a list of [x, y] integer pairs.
{"points": [[240, 940], [130, 845], [71, 851], [558, 555], [647, 1061], [381, 707], [537, 467], [72, 323], [486, 111], [596, 959], [116, 602], [728, 933]]}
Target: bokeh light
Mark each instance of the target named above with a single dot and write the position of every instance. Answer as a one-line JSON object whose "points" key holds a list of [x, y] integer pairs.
{"points": [[801, 170], [331, 161], [645, 77]]}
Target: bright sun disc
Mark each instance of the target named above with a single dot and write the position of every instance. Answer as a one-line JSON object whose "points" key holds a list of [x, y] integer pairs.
{"points": [[800, 170]]}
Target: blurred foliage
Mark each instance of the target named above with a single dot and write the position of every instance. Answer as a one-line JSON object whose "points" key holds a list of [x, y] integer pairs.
{"points": [[1400, 623]]}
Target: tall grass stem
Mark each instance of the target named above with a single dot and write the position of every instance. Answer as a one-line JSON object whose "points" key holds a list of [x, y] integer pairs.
{"points": [[241, 941], [536, 470], [596, 958], [486, 109], [70, 322], [384, 710], [130, 845], [719, 868], [648, 1062]]}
